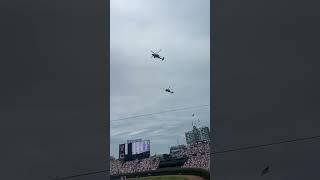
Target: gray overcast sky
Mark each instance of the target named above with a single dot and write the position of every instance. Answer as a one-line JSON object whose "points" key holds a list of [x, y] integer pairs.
{"points": [[181, 28]]}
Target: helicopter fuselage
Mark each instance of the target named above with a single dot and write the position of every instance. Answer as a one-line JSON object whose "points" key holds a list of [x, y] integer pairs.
{"points": [[169, 91], [156, 55]]}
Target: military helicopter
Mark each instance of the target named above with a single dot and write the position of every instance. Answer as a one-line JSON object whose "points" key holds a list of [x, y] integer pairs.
{"points": [[169, 90], [156, 55]]}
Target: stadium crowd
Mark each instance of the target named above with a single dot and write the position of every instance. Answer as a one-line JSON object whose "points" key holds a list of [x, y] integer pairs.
{"points": [[198, 157], [147, 164]]}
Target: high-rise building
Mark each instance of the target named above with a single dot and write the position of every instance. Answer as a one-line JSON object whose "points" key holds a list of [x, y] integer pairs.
{"points": [[198, 135]]}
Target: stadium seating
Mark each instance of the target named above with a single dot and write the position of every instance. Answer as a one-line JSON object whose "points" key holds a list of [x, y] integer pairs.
{"points": [[198, 157]]}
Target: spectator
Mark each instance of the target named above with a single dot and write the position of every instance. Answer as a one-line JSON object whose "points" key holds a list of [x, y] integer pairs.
{"points": [[147, 164]]}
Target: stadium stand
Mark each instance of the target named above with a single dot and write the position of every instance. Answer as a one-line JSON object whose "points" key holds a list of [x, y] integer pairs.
{"points": [[198, 156]]}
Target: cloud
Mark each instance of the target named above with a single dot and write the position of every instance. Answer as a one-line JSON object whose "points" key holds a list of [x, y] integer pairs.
{"points": [[137, 132]]}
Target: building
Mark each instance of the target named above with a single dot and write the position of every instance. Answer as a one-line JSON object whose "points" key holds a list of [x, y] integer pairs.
{"points": [[197, 135]]}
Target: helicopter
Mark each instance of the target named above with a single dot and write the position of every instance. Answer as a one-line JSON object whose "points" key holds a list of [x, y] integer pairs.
{"points": [[169, 90], [156, 55]]}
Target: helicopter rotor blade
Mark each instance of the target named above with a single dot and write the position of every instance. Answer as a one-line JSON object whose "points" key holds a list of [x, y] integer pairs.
{"points": [[159, 51], [152, 52]]}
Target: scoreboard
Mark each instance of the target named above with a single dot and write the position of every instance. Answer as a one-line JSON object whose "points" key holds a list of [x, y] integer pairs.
{"points": [[134, 150], [140, 147]]}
